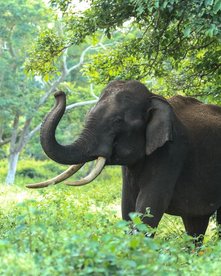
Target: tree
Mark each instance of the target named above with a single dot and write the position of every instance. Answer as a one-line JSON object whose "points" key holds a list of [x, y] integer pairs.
{"points": [[177, 40], [18, 26], [21, 97]]}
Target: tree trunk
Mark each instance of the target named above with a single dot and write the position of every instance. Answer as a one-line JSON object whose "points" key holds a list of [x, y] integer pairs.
{"points": [[13, 153], [1, 132], [12, 165]]}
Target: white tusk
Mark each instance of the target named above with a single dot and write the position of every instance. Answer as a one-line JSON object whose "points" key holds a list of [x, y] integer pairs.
{"points": [[61, 177], [92, 175]]}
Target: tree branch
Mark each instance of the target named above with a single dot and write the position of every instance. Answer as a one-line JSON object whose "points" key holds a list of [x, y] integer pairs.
{"points": [[32, 133], [6, 141], [71, 106], [24, 135], [81, 61], [92, 92], [14, 133]]}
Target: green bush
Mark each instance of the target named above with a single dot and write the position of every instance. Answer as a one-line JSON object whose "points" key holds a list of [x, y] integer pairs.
{"points": [[64, 230], [29, 172]]}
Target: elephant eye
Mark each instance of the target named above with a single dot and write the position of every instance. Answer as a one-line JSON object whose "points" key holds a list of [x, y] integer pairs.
{"points": [[118, 120]]}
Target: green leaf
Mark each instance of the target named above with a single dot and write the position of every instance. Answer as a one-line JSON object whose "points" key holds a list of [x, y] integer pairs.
{"points": [[156, 4], [134, 243], [217, 6], [187, 31], [212, 30], [46, 77], [137, 220], [165, 3], [208, 2]]}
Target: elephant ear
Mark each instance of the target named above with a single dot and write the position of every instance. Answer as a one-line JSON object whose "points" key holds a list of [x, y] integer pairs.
{"points": [[160, 124]]}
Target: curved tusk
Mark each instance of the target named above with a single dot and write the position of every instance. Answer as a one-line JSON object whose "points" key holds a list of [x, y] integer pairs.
{"points": [[92, 175], [55, 180]]}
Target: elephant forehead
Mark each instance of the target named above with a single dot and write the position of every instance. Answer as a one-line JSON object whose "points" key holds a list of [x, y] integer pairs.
{"points": [[120, 98], [109, 96], [104, 108], [109, 108]]}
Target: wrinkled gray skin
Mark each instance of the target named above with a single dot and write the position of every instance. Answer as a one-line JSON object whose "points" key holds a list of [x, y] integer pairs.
{"points": [[170, 151]]}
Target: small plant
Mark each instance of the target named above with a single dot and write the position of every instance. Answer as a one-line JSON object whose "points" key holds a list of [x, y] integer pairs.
{"points": [[138, 225], [79, 231]]}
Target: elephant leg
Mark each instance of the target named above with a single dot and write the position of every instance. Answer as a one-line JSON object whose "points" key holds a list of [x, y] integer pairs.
{"points": [[129, 194], [157, 207], [218, 221], [196, 227], [157, 182]]}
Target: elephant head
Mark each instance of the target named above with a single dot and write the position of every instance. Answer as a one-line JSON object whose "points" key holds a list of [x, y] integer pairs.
{"points": [[127, 124]]}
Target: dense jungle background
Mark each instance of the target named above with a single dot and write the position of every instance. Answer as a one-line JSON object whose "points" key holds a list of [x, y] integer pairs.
{"points": [[172, 46]]}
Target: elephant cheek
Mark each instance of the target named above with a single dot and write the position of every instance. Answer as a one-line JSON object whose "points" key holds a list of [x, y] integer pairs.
{"points": [[131, 154], [102, 149], [123, 155], [126, 152]]}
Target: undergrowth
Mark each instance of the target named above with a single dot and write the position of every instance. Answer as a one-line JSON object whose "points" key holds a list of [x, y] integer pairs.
{"points": [[78, 231]]}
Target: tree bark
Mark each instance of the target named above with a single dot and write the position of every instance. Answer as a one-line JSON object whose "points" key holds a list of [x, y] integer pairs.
{"points": [[14, 154], [12, 166]]}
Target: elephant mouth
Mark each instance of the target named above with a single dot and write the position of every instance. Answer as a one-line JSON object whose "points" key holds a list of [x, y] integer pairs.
{"points": [[101, 161], [115, 159], [120, 156]]}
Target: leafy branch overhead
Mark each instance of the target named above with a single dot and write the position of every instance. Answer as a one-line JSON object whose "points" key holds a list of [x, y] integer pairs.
{"points": [[179, 40]]}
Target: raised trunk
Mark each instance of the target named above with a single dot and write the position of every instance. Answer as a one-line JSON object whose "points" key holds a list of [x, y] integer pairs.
{"points": [[69, 154]]}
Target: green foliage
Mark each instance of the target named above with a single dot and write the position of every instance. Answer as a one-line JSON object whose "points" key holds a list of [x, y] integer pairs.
{"points": [[19, 21], [26, 169], [178, 42], [53, 46], [174, 41], [78, 231]]}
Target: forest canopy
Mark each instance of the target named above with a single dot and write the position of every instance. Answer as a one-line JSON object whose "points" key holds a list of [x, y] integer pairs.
{"points": [[150, 40]]}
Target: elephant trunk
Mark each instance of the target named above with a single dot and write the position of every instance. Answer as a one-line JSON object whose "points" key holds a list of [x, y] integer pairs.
{"points": [[74, 153]]}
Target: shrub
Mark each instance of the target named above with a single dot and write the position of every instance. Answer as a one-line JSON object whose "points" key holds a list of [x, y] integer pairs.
{"points": [[78, 231], [29, 172]]}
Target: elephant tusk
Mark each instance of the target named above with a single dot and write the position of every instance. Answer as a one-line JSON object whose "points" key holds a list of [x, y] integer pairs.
{"points": [[61, 177], [92, 175]]}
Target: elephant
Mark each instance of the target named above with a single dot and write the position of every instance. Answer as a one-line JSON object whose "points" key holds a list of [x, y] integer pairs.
{"points": [[169, 150]]}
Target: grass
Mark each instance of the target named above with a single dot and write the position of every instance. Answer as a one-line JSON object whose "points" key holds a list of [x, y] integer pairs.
{"points": [[78, 231]]}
